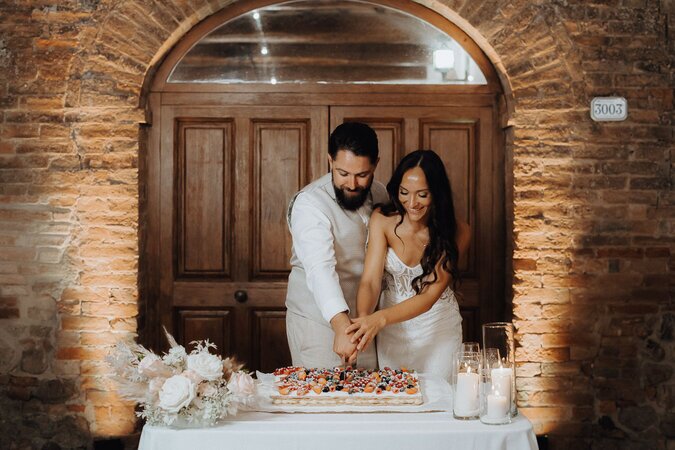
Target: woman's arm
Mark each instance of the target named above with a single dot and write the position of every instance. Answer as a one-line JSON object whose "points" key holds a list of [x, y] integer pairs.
{"points": [[366, 328], [422, 302], [373, 269]]}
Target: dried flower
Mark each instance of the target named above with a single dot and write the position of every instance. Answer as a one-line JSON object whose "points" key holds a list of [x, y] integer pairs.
{"points": [[231, 365], [198, 387], [176, 356], [153, 366]]}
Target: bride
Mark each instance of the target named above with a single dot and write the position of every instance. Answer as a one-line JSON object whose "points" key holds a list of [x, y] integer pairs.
{"points": [[414, 245]]}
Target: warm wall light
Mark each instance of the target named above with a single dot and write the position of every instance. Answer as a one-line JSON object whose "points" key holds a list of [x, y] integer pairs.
{"points": [[444, 59]]}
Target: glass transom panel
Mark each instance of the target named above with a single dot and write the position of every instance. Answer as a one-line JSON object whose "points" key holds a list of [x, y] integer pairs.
{"points": [[327, 41]]}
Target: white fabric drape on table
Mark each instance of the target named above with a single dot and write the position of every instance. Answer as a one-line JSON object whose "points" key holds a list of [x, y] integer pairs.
{"points": [[327, 431]]}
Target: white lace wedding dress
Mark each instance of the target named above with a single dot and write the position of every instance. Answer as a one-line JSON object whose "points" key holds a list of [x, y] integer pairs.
{"points": [[425, 343]]}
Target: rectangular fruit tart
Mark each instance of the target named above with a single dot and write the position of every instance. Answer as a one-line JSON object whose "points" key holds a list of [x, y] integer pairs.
{"points": [[346, 386]]}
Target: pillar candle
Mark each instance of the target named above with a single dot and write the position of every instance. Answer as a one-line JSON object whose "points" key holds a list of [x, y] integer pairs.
{"points": [[466, 394], [501, 381], [497, 406]]}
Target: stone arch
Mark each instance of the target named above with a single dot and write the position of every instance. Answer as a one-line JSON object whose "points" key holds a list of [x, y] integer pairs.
{"points": [[527, 44], [522, 41]]}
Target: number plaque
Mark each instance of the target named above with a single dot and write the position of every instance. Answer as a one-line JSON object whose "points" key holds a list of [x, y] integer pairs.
{"points": [[604, 109]]}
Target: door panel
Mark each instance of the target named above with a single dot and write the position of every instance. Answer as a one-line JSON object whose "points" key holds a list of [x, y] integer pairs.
{"points": [[463, 138], [196, 325], [390, 140], [227, 175], [204, 209], [455, 143], [270, 352], [279, 167]]}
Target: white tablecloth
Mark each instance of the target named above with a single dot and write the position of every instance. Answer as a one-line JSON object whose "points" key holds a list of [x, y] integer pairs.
{"points": [[339, 431]]}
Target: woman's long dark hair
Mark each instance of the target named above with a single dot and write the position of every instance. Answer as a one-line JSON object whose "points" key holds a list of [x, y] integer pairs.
{"points": [[442, 246]]}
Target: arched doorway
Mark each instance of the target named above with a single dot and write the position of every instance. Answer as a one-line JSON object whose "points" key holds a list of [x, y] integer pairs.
{"points": [[233, 137]]}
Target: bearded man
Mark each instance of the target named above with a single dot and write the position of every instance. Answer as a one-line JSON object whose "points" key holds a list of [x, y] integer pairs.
{"points": [[328, 220]]}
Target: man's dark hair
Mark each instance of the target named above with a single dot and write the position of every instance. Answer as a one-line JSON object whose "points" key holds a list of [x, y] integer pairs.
{"points": [[356, 137]]}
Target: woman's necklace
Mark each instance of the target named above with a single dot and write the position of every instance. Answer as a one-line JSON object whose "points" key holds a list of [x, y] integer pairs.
{"points": [[422, 242]]}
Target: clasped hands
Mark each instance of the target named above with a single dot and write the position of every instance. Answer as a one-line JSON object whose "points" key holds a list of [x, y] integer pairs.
{"points": [[356, 335]]}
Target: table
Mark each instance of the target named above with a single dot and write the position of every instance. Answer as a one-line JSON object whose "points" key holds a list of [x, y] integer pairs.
{"points": [[340, 431]]}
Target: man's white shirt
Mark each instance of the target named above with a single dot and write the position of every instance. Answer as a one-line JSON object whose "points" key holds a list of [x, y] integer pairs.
{"points": [[313, 242]]}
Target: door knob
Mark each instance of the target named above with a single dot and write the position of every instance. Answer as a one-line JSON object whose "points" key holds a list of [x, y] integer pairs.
{"points": [[241, 296]]}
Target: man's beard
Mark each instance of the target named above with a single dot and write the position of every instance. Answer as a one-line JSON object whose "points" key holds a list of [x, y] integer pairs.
{"points": [[352, 202]]}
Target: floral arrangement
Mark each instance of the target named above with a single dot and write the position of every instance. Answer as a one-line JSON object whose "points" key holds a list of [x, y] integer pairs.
{"points": [[200, 388]]}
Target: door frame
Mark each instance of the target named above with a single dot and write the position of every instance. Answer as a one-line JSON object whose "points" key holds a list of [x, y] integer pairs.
{"points": [[159, 93]]}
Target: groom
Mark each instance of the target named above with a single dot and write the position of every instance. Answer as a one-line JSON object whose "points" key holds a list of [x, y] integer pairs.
{"points": [[328, 220]]}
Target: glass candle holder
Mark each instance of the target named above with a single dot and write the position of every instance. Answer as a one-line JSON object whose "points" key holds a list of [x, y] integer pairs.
{"points": [[491, 357], [496, 390], [470, 347], [498, 339], [466, 398]]}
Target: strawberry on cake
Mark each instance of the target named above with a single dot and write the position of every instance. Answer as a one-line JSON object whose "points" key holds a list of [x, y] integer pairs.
{"points": [[346, 386]]}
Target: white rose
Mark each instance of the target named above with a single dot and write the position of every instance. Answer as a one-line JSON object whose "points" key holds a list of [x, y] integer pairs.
{"points": [[176, 393], [206, 365], [153, 366], [241, 385]]}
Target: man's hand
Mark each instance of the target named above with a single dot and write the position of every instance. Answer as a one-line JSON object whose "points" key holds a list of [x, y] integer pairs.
{"points": [[342, 343]]}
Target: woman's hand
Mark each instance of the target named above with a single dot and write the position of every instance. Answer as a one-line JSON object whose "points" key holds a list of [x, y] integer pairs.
{"points": [[366, 328]]}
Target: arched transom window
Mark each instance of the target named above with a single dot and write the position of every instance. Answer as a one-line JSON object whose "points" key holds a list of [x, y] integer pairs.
{"points": [[327, 41]]}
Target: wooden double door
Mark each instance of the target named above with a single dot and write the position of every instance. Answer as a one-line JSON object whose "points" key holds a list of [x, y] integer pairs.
{"points": [[225, 177]]}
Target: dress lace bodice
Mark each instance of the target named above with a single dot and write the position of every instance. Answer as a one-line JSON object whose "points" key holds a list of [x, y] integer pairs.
{"points": [[398, 278], [426, 342]]}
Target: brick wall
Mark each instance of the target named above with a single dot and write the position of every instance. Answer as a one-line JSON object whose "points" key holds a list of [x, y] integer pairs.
{"points": [[593, 209]]}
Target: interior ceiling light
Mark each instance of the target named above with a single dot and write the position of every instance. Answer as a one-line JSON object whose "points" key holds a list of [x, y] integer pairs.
{"points": [[444, 59]]}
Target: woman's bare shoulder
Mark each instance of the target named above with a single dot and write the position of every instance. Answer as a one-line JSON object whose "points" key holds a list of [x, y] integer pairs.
{"points": [[386, 220]]}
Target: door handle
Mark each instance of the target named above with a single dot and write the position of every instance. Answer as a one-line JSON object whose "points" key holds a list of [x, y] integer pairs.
{"points": [[241, 296]]}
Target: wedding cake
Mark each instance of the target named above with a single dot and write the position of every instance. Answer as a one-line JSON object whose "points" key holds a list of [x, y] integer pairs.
{"points": [[346, 386]]}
